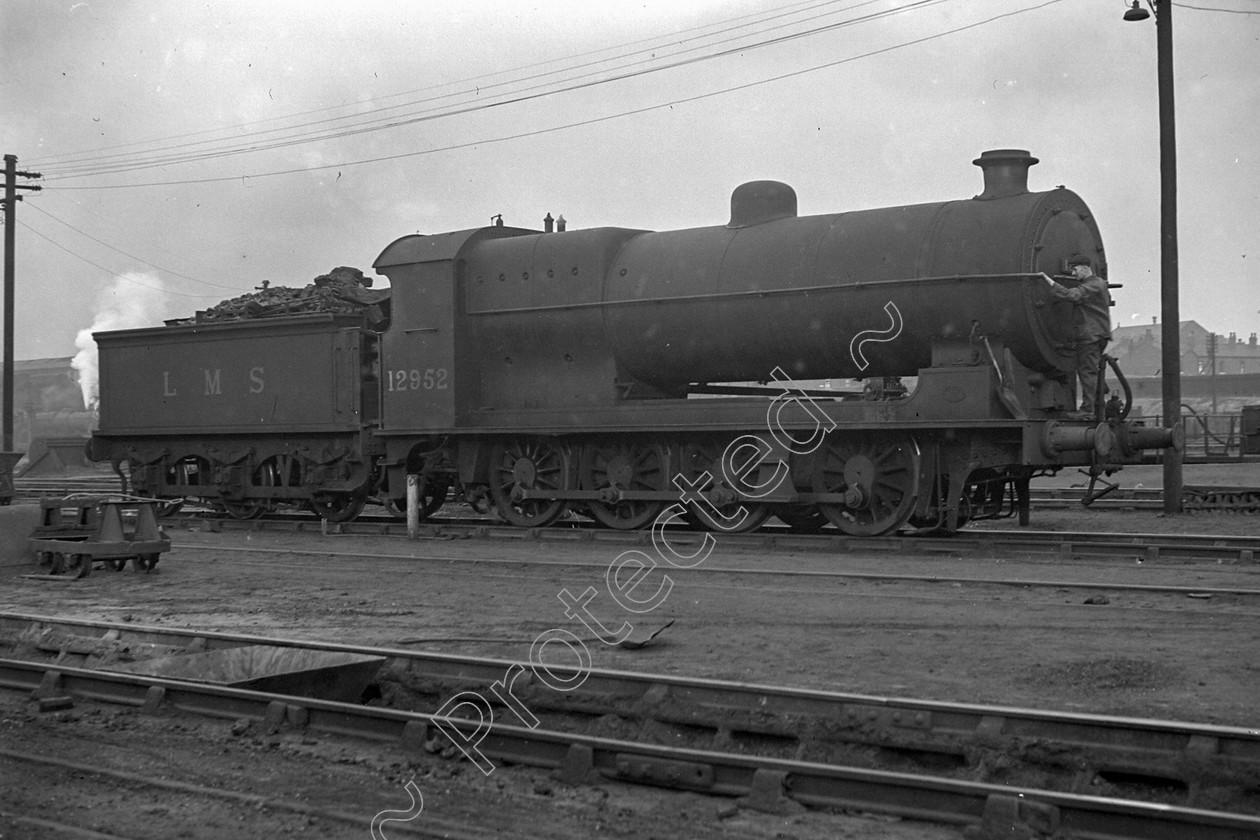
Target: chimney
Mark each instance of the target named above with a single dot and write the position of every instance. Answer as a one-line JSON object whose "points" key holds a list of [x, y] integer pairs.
{"points": [[561, 224], [1252, 340], [548, 223], [1005, 172]]}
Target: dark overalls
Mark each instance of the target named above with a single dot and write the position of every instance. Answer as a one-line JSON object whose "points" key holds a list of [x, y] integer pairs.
{"points": [[1091, 311]]}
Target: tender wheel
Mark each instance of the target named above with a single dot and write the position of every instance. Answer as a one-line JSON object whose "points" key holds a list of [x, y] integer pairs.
{"points": [[338, 507], [266, 474], [433, 492], [522, 464], [730, 516], [145, 562], [613, 468], [879, 477]]}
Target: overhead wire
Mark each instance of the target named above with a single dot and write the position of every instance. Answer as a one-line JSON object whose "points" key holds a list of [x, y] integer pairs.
{"points": [[714, 29], [94, 264], [520, 96], [658, 106], [578, 123], [64, 162], [1216, 9], [39, 209], [81, 207], [72, 157]]}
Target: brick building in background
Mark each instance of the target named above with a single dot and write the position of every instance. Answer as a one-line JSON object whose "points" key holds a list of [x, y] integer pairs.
{"points": [[1218, 379], [1138, 350]]}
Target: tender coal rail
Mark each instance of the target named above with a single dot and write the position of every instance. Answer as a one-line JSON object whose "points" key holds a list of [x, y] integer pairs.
{"points": [[770, 743]]}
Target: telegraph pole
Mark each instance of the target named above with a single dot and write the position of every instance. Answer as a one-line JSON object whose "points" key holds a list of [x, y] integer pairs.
{"points": [[1212, 362], [1168, 284], [11, 198], [1170, 308]]}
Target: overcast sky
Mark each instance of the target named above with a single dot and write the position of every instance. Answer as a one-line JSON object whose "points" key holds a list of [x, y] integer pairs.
{"points": [[634, 114]]}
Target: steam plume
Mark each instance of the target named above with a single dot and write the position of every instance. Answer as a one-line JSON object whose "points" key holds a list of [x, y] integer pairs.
{"points": [[132, 300]]}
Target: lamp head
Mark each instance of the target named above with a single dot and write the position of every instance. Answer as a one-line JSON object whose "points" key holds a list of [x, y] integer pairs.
{"points": [[1136, 12]]}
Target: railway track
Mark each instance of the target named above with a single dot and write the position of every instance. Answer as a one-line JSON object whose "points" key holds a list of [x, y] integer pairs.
{"points": [[1194, 497], [971, 542], [778, 747], [290, 557], [975, 541]]}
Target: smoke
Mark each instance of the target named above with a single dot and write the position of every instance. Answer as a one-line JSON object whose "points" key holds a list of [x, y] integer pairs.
{"points": [[132, 300]]}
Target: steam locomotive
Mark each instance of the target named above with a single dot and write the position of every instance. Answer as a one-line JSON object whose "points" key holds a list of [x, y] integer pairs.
{"points": [[601, 371]]}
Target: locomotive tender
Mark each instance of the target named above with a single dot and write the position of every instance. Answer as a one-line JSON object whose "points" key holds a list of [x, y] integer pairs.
{"points": [[592, 370]]}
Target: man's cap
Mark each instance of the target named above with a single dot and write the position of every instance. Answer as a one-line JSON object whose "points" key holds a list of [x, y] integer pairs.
{"points": [[1079, 259]]}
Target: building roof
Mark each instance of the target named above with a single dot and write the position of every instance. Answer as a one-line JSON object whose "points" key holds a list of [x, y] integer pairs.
{"points": [[57, 365]]}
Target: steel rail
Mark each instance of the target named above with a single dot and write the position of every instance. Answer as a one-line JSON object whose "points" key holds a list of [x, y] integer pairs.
{"points": [[714, 568], [1213, 547], [1189, 753], [1204, 498], [768, 783], [1195, 499], [1196, 547], [977, 542]]}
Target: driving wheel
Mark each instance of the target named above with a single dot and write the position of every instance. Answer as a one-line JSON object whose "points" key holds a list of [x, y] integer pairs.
{"points": [[878, 475], [521, 465], [612, 469], [721, 510]]}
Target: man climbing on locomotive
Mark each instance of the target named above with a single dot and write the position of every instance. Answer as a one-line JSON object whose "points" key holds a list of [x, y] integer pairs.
{"points": [[1091, 313]]}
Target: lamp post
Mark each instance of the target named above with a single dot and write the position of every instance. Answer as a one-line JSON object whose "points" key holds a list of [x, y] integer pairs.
{"points": [[1170, 334]]}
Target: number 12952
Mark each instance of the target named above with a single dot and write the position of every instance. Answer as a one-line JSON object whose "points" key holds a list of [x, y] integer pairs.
{"points": [[429, 379]]}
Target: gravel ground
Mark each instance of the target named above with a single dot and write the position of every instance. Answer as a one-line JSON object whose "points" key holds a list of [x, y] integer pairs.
{"points": [[1085, 648]]}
